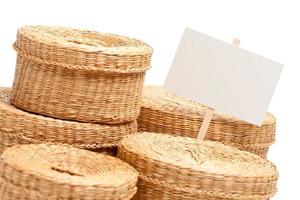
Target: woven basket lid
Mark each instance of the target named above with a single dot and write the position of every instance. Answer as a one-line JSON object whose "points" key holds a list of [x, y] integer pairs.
{"points": [[198, 165], [203, 156], [158, 98], [76, 48], [67, 172], [20, 127]]}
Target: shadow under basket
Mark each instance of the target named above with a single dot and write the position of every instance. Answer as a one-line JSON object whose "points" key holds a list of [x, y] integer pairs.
{"points": [[113, 151], [79, 75]]}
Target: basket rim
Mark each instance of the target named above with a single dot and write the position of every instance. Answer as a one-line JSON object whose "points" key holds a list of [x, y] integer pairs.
{"points": [[170, 164], [156, 98], [219, 194], [42, 33]]}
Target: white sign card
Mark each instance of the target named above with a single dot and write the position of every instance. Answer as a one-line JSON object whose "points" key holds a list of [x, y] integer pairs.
{"points": [[223, 76]]}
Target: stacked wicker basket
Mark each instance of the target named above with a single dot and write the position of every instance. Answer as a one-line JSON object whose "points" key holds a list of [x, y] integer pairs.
{"points": [[21, 127], [165, 112], [75, 87], [177, 168], [72, 86], [77, 90]]}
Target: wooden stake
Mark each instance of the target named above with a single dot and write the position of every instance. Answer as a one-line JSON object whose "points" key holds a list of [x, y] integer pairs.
{"points": [[210, 112], [205, 123]]}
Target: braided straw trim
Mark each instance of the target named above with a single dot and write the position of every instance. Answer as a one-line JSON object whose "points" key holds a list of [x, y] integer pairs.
{"points": [[200, 193], [63, 172], [19, 127], [214, 167], [27, 56], [89, 49], [8, 140], [13, 192], [165, 112]]}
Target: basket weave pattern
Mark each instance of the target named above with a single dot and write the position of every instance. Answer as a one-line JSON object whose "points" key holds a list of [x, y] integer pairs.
{"points": [[20, 127], [184, 168], [165, 112], [66, 73], [76, 90], [62, 172]]}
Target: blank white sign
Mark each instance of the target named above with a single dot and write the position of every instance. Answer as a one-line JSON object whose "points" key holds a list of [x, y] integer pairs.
{"points": [[222, 76]]}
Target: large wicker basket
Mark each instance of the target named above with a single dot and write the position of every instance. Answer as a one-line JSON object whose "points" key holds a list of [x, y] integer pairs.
{"points": [[52, 172], [20, 127], [79, 75], [178, 168], [165, 112]]}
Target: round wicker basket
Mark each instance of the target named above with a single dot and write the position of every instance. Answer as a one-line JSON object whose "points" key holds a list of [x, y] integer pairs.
{"points": [[79, 75], [20, 127], [62, 172], [177, 168], [165, 112]]}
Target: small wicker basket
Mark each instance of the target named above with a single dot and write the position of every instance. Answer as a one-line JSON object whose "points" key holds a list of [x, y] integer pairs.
{"points": [[62, 172], [20, 127], [177, 168], [165, 112], [79, 75]]}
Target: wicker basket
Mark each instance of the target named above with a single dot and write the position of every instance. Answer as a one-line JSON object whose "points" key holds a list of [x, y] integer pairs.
{"points": [[20, 127], [177, 168], [165, 112], [62, 172], [79, 75]]}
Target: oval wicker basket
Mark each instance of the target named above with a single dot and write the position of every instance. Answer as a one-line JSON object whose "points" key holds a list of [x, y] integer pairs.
{"points": [[177, 168], [79, 75], [165, 112], [20, 127], [62, 172]]}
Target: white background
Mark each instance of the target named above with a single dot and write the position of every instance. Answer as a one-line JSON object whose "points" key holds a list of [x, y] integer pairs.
{"points": [[268, 28]]}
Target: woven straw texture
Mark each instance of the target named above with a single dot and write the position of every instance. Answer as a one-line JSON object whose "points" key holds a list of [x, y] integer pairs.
{"points": [[53, 172], [79, 75], [20, 127], [165, 112], [177, 168]]}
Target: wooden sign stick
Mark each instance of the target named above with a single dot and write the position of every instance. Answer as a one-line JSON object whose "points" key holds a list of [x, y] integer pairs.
{"points": [[210, 111], [205, 123]]}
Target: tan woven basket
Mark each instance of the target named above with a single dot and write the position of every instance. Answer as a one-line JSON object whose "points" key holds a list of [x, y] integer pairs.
{"points": [[79, 75], [20, 127], [62, 172], [165, 112], [177, 168]]}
